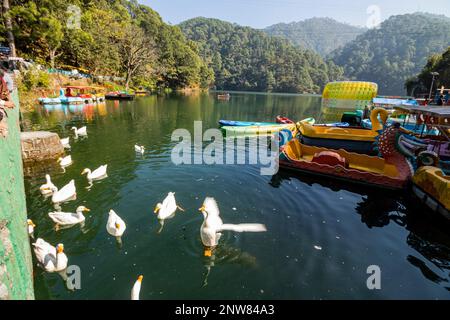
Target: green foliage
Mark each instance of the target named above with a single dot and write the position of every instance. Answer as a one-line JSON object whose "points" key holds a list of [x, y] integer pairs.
{"points": [[396, 51], [35, 78], [439, 63], [243, 58], [322, 35], [42, 34]]}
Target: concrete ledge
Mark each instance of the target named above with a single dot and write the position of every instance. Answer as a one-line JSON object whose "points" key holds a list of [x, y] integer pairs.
{"points": [[40, 146]]}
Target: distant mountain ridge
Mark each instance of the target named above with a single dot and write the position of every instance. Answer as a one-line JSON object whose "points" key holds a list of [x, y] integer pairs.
{"points": [[395, 51], [322, 35], [248, 59]]}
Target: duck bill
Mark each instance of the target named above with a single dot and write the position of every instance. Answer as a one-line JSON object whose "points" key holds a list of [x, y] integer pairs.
{"points": [[207, 252], [202, 209]]}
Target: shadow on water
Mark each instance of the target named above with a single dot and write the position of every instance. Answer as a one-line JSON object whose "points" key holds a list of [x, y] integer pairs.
{"points": [[428, 232]]}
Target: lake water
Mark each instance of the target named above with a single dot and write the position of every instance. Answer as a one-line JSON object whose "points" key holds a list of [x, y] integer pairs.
{"points": [[322, 235]]}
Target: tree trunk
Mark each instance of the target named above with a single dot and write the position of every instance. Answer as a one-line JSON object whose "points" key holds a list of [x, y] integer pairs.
{"points": [[127, 82], [9, 28]]}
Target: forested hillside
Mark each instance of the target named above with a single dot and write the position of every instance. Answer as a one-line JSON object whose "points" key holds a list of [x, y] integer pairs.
{"points": [[323, 35], [247, 59], [439, 63], [110, 37], [396, 51]]}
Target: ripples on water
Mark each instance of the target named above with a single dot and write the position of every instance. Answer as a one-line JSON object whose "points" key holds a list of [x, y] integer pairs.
{"points": [[322, 235]]}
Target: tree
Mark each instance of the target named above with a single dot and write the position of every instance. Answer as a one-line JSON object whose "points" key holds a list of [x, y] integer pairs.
{"points": [[137, 52], [9, 27], [51, 37]]}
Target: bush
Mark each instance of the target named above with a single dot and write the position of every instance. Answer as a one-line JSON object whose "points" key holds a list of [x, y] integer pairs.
{"points": [[35, 78]]}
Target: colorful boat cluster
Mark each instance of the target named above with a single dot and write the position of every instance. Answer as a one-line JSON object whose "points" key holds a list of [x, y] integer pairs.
{"points": [[384, 142], [74, 95]]}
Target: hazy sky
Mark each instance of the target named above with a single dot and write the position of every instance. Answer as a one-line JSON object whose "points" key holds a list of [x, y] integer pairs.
{"points": [[262, 13]]}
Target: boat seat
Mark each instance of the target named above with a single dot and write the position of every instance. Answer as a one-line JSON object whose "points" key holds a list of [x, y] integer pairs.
{"points": [[337, 130], [330, 158]]}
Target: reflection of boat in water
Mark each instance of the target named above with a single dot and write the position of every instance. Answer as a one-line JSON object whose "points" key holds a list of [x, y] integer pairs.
{"points": [[429, 242], [393, 171]]}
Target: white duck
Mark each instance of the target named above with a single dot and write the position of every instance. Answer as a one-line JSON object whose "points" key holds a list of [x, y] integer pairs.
{"points": [[68, 192], [213, 225], [167, 209], [79, 132], [139, 149], [97, 174], [30, 228], [69, 219], [65, 162], [47, 188], [66, 143], [136, 288], [50, 258], [115, 225]]}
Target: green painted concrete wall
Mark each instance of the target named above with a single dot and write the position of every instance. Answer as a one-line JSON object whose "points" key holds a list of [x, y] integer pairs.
{"points": [[16, 272]]}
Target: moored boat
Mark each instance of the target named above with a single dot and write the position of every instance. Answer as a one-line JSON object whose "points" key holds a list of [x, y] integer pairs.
{"points": [[284, 120], [432, 186], [50, 101], [119, 96], [224, 97], [350, 139], [392, 171], [232, 123], [231, 131]]}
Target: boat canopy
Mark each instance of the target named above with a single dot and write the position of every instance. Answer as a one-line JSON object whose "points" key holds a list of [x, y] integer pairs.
{"points": [[430, 115], [384, 101]]}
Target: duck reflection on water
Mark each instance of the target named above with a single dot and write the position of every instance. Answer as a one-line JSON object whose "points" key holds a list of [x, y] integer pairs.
{"points": [[226, 255]]}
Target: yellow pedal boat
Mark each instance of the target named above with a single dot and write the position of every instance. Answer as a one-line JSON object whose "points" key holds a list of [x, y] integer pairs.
{"points": [[432, 186], [350, 139], [393, 171]]}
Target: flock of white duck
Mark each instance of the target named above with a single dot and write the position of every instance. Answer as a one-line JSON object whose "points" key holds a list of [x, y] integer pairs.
{"points": [[53, 259]]}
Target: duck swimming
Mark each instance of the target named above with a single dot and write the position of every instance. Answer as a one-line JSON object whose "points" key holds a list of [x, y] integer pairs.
{"points": [[136, 288], [65, 162], [139, 149], [69, 219], [115, 225], [79, 132], [213, 225], [97, 174], [47, 188], [167, 209], [68, 192], [50, 258]]}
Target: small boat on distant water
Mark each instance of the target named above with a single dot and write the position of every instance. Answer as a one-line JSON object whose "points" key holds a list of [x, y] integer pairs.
{"points": [[224, 97], [284, 120], [117, 95], [141, 92]]}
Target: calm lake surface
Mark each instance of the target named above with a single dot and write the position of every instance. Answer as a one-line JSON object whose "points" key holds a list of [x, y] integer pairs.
{"points": [[322, 235]]}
